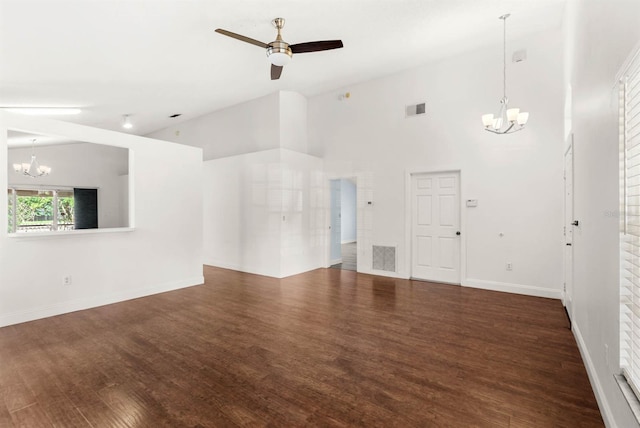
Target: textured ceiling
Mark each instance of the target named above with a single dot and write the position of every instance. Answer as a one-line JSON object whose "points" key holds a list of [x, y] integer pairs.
{"points": [[154, 58]]}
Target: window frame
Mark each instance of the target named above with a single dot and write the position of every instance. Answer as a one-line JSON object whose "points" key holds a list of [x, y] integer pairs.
{"points": [[54, 194]]}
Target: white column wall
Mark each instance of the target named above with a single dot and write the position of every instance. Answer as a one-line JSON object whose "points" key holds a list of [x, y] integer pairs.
{"points": [[264, 213]]}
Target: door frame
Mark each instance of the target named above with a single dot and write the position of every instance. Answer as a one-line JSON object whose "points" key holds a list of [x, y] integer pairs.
{"points": [[327, 237], [567, 292], [409, 173]]}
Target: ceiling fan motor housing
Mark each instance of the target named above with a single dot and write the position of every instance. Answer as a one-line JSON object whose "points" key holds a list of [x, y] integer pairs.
{"points": [[279, 53]]}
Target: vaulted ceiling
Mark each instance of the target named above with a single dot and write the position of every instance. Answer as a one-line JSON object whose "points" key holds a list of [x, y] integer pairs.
{"points": [[155, 58]]}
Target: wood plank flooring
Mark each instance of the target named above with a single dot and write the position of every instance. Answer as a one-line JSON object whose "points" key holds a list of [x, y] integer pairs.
{"points": [[325, 348]]}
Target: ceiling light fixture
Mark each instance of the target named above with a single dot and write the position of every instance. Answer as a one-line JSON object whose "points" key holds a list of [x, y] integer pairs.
{"points": [[126, 122], [279, 52], [32, 169], [43, 111], [509, 120]]}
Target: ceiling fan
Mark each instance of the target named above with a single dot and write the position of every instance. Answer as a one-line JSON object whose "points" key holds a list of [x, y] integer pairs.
{"points": [[280, 52]]}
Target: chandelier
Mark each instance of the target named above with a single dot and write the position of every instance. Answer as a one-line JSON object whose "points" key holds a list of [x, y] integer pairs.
{"points": [[32, 169], [509, 120]]}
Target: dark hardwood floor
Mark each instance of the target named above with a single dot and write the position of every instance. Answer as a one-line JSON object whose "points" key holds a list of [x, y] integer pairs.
{"points": [[325, 348]]}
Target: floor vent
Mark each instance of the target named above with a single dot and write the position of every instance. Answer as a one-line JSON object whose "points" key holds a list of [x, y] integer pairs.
{"points": [[384, 258]]}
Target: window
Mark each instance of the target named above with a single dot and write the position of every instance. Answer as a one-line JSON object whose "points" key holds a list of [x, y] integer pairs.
{"points": [[38, 210], [630, 224]]}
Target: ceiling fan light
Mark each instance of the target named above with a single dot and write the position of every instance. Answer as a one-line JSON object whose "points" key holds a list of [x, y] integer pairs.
{"points": [[523, 118], [512, 114], [487, 120], [279, 58]]}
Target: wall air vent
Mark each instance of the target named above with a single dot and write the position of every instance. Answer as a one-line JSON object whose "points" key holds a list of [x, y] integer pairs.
{"points": [[415, 110], [384, 258]]}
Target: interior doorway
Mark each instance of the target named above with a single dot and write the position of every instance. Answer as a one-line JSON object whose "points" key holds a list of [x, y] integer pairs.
{"points": [[343, 245]]}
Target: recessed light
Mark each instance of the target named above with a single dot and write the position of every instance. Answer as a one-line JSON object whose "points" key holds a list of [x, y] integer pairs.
{"points": [[126, 122]]}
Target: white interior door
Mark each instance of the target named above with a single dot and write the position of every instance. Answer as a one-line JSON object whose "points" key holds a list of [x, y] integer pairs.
{"points": [[568, 230], [435, 233]]}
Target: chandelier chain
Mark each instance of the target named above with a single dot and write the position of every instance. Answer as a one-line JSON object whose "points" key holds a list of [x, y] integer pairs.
{"points": [[504, 57]]}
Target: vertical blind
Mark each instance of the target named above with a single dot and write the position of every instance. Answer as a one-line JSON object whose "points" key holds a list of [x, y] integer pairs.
{"points": [[630, 223]]}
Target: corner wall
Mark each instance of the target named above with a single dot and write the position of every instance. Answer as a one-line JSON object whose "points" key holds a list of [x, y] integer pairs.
{"points": [[162, 253], [264, 213]]}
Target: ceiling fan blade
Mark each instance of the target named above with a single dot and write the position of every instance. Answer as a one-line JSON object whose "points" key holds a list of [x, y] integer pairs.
{"points": [[242, 38], [323, 45], [276, 71]]}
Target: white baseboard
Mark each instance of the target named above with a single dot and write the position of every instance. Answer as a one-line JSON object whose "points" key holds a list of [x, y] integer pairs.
{"points": [[335, 262], [348, 241], [529, 290], [601, 398], [94, 301], [383, 273], [246, 269]]}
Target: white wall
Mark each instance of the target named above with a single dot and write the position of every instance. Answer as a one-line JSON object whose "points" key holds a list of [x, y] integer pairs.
{"points": [[263, 212], [347, 210], [163, 252], [242, 211], [516, 178], [303, 211], [80, 165], [599, 36], [245, 128], [293, 121], [277, 120]]}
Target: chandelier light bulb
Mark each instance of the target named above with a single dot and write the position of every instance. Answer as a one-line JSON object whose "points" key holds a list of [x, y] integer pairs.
{"points": [[32, 169]]}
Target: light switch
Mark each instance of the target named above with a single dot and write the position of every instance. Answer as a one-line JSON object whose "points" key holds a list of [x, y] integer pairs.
{"points": [[472, 202]]}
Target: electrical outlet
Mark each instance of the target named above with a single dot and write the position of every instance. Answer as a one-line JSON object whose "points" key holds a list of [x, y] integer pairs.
{"points": [[66, 280], [509, 266]]}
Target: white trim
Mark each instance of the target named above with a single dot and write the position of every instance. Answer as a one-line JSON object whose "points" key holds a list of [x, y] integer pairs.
{"points": [[528, 290], [383, 273], [94, 301], [601, 397], [335, 262], [348, 241], [626, 64], [246, 269], [23, 235]]}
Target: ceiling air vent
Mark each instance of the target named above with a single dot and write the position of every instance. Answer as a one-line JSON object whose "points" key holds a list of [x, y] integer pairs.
{"points": [[415, 109]]}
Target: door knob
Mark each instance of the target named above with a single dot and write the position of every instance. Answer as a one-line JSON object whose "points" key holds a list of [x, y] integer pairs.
{"points": [[575, 223], [568, 244], [458, 233]]}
